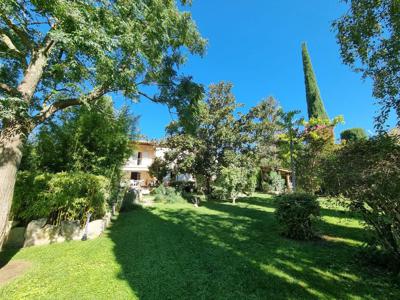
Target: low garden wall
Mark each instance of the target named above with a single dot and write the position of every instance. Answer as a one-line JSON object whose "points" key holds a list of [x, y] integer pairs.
{"points": [[39, 233]]}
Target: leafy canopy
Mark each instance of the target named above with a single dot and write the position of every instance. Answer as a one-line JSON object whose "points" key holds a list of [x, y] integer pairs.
{"points": [[220, 138], [96, 140], [59, 53], [369, 39]]}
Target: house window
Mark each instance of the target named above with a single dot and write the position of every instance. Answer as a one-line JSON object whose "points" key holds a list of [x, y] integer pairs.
{"points": [[135, 175], [139, 158]]}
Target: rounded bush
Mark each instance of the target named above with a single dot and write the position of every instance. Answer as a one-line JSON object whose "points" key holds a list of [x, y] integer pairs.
{"points": [[296, 214]]}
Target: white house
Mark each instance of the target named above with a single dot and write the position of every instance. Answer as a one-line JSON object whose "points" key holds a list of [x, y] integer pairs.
{"points": [[137, 167]]}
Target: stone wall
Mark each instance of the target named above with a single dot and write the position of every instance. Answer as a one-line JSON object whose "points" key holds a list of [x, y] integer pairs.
{"points": [[39, 233]]}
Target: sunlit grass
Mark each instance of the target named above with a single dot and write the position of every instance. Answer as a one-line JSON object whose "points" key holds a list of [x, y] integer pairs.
{"points": [[216, 251]]}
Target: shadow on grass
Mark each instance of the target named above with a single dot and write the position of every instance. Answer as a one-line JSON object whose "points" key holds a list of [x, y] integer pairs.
{"points": [[6, 255], [340, 229], [231, 252], [164, 259]]}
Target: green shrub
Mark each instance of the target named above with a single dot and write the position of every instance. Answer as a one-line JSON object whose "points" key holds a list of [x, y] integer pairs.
{"points": [[59, 197], [160, 190], [277, 183], [367, 174], [167, 195], [296, 213]]}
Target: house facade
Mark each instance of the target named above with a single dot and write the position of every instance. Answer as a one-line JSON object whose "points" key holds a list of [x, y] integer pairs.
{"points": [[136, 169]]}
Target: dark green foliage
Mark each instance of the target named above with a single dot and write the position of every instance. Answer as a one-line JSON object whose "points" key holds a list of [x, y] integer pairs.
{"points": [[222, 144], [59, 197], [94, 139], [73, 45], [367, 173], [369, 39], [159, 169], [296, 214], [266, 127], [167, 195], [315, 105], [184, 186], [353, 134]]}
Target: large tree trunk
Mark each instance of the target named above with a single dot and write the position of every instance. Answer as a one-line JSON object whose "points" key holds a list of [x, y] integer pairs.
{"points": [[10, 157]]}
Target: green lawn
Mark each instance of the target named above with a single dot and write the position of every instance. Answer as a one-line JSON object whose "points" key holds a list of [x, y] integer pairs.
{"points": [[216, 251]]}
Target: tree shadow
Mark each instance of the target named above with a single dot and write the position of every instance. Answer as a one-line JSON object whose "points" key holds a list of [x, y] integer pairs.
{"points": [[6, 255], [230, 251], [161, 257], [337, 231]]}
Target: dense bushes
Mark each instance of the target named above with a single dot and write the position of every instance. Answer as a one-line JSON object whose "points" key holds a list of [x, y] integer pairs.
{"points": [[59, 196], [95, 140], [167, 195], [296, 214], [367, 174]]}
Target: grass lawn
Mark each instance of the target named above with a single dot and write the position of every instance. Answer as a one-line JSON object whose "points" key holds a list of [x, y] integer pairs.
{"points": [[216, 251]]}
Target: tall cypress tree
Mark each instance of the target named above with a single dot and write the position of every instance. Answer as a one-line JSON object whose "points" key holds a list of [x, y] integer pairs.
{"points": [[315, 105]]}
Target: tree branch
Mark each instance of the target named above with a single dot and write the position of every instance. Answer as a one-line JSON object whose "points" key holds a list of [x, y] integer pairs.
{"points": [[8, 89], [8, 42], [21, 33], [33, 74], [61, 104], [12, 48], [147, 96]]}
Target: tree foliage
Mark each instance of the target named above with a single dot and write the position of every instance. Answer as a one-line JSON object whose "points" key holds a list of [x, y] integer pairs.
{"points": [[219, 144], [74, 52], [276, 182], [66, 196], [353, 134], [367, 174], [159, 169], [318, 143], [369, 39], [61, 53], [315, 106], [291, 140], [265, 127], [94, 139]]}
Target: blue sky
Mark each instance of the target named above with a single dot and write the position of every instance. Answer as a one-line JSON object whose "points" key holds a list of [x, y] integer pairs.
{"points": [[256, 45]]}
